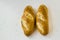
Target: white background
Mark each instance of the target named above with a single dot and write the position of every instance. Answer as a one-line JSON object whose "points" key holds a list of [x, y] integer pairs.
{"points": [[10, 19]]}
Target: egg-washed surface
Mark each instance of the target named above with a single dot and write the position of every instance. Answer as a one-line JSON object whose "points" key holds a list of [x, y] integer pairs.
{"points": [[42, 20], [28, 20]]}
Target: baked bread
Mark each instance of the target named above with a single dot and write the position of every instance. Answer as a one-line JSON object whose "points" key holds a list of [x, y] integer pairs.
{"points": [[42, 19], [28, 20]]}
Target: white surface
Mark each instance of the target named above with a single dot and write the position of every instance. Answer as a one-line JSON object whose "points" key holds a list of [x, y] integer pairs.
{"points": [[10, 19]]}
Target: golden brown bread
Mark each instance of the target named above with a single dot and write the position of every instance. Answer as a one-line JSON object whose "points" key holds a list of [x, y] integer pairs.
{"points": [[28, 20], [42, 20]]}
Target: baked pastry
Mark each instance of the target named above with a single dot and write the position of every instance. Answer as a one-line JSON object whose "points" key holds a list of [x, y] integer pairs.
{"points": [[42, 19], [28, 20]]}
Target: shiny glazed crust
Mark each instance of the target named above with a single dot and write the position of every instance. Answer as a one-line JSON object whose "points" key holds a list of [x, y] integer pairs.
{"points": [[28, 20], [42, 20]]}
